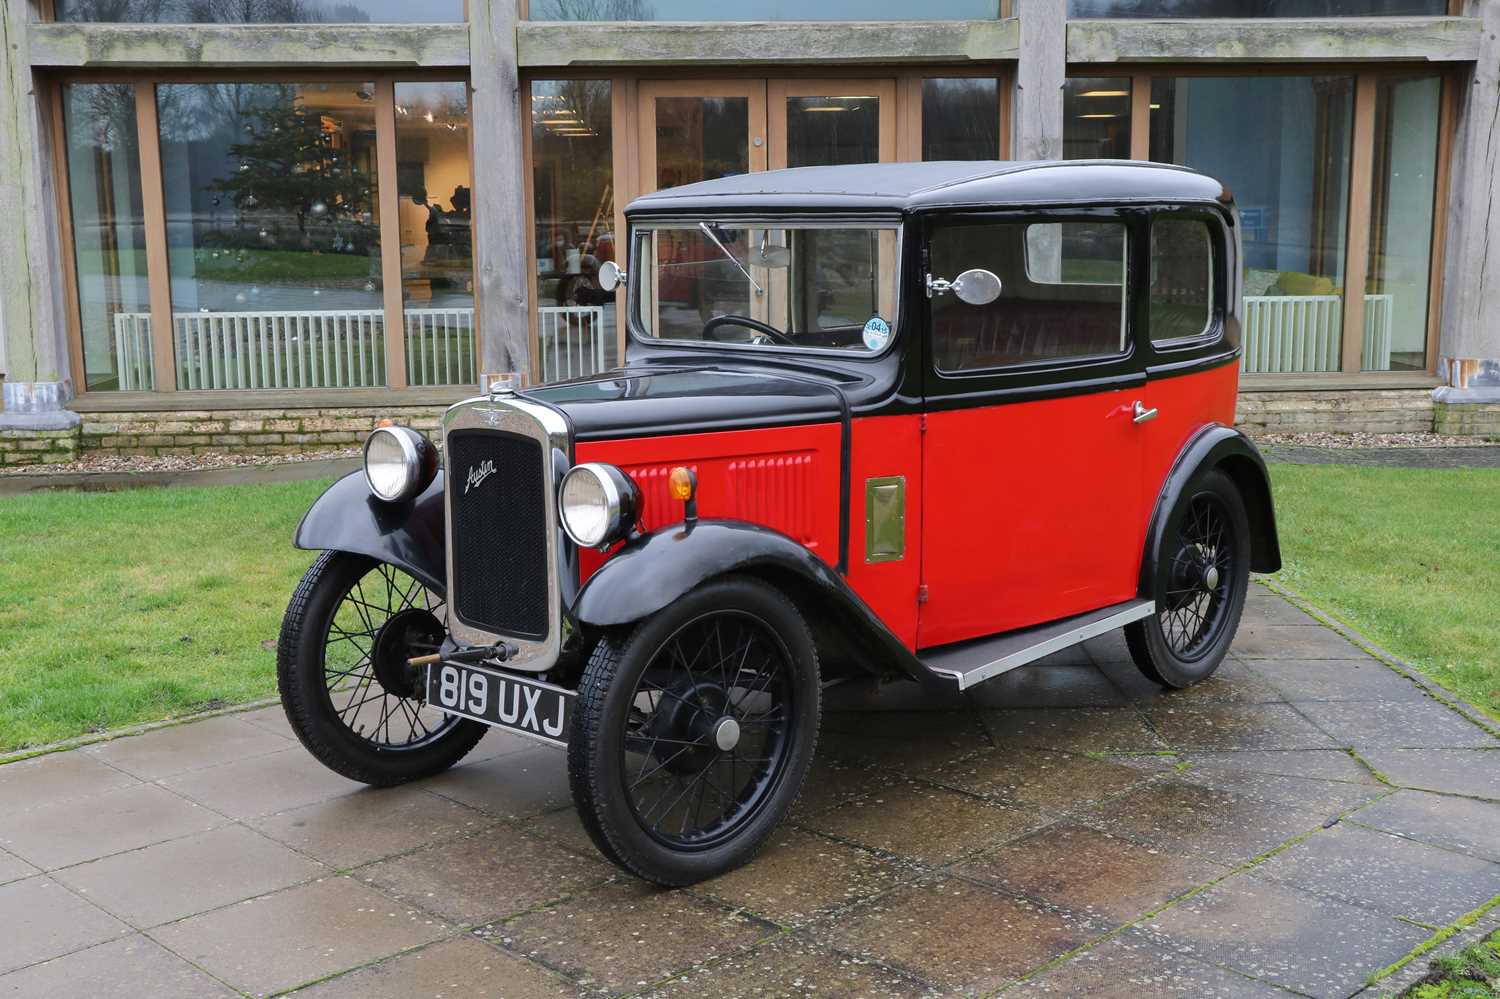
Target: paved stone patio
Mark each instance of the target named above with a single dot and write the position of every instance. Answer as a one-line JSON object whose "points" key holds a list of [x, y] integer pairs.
{"points": [[1305, 818]]}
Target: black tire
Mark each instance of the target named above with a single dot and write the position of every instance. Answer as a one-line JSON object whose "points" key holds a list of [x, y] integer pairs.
{"points": [[338, 644], [1197, 612], [642, 694]]}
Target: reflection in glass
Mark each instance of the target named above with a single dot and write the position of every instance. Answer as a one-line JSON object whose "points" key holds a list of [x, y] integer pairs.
{"points": [[760, 10], [1096, 118], [435, 192], [1253, 8], [827, 131], [273, 231], [1181, 279], [109, 235], [261, 11], [961, 118], [1282, 145], [701, 138], [1401, 207], [574, 210]]}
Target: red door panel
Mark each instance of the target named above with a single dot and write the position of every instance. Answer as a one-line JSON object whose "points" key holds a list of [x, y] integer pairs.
{"points": [[1032, 512], [886, 446], [1184, 404]]}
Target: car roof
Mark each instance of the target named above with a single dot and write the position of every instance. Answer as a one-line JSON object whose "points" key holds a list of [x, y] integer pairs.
{"points": [[911, 187]]}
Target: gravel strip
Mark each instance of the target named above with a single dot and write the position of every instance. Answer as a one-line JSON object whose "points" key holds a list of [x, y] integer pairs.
{"points": [[1355, 441], [175, 463]]}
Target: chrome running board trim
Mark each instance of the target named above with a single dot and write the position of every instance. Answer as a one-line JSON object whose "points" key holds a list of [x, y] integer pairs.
{"points": [[974, 662]]}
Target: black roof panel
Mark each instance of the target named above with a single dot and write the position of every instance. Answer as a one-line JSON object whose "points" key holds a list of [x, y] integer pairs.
{"points": [[903, 187]]}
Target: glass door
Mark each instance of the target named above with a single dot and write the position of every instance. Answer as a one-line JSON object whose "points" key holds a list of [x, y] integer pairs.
{"points": [[826, 122], [694, 130]]}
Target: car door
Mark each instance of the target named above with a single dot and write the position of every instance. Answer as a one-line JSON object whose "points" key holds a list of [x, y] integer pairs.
{"points": [[1032, 505]]}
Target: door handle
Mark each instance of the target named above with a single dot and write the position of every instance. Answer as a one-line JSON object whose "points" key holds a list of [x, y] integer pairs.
{"points": [[1143, 415]]}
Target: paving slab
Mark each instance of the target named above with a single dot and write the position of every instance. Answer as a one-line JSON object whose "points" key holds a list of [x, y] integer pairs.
{"points": [[272, 719], [45, 920], [74, 830], [1037, 779], [1308, 794], [1130, 966], [1279, 641], [179, 748], [511, 786], [792, 967], [1285, 936], [486, 876], [460, 968], [923, 822], [956, 934], [47, 780], [298, 935], [1236, 726], [1319, 764], [800, 876], [122, 969], [1473, 772], [1425, 724], [186, 876], [274, 782], [1047, 685], [13, 868], [1461, 824], [832, 781], [625, 936], [1090, 872], [1232, 681], [1264, 606], [902, 741], [1387, 873], [356, 829], [1076, 730], [1366, 679]]}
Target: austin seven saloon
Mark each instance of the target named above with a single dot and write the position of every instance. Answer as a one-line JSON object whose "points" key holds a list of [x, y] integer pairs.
{"points": [[929, 421]]}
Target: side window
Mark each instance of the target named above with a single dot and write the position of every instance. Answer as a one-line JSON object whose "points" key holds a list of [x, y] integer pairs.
{"points": [[1182, 279], [1062, 294]]}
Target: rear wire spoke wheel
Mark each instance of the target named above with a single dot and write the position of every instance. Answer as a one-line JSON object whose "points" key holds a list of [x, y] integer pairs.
{"points": [[341, 665], [1202, 577], [692, 735]]}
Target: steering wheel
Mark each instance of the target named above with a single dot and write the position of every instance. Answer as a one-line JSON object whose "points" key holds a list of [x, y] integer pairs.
{"points": [[710, 329]]}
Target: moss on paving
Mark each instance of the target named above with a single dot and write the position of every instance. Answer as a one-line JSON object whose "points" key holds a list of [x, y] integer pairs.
{"points": [[1472, 973]]}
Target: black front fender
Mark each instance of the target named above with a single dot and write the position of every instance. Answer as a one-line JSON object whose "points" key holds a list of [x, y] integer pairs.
{"points": [[653, 570], [410, 535], [1230, 451]]}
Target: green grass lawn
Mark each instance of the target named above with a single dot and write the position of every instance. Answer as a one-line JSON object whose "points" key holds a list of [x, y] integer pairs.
{"points": [[136, 606], [1407, 557]]}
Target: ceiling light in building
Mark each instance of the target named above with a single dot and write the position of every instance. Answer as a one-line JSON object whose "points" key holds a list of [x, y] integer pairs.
{"points": [[566, 120], [1105, 93], [827, 107], [1156, 107], [1098, 116]]}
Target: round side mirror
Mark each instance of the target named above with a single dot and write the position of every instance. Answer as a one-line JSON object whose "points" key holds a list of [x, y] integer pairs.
{"points": [[611, 275], [977, 287]]}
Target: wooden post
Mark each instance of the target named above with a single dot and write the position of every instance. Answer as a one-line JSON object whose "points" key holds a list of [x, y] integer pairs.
{"points": [[390, 235], [1041, 72], [158, 260], [1357, 245], [501, 240], [1140, 116]]}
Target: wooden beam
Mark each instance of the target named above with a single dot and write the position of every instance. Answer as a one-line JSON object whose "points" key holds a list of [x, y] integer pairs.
{"points": [[1140, 116], [1357, 244], [557, 44], [390, 234], [73, 45], [1274, 39], [158, 260]]}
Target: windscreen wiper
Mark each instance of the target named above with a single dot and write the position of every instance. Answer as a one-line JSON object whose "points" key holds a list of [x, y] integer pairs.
{"points": [[709, 232]]}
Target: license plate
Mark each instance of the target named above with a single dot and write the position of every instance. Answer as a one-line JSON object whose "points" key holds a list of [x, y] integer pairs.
{"points": [[527, 707]]}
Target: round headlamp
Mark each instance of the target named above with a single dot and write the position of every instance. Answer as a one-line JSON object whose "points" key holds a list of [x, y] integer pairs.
{"points": [[599, 504], [399, 463]]}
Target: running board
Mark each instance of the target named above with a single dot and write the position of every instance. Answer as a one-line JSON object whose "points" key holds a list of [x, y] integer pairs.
{"points": [[968, 663]]}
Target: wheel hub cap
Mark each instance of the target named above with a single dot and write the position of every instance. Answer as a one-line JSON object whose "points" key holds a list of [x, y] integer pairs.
{"points": [[1211, 578], [726, 734]]}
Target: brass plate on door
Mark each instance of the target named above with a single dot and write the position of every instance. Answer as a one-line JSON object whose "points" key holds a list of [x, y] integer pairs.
{"points": [[885, 519]]}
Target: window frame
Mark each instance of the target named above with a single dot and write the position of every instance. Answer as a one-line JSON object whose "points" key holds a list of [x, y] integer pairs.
{"points": [[1218, 277]]}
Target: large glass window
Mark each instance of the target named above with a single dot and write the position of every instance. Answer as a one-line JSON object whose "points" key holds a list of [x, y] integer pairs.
{"points": [[261, 11], [1253, 8], [827, 131], [760, 10], [1401, 211], [273, 230], [574, 211], [961, 118], [1062, 294], [435, 190], [1281, 144], [1096, 118], [109, 235]]}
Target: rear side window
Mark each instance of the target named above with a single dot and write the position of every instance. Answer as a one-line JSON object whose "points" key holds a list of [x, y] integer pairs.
{"points": [[1062, 294], [1182, 280]]}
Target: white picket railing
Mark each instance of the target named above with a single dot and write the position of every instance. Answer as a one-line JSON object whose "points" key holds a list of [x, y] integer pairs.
{"points": [[278, 350], [571, 340], [1299, 333]]}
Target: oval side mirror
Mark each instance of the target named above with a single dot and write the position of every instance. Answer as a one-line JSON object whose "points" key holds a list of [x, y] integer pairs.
{"points": [[977, 287], [611, 275]]}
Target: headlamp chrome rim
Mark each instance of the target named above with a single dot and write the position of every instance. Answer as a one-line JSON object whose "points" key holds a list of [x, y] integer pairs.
{"points": [[412, 464], [620, 503]]}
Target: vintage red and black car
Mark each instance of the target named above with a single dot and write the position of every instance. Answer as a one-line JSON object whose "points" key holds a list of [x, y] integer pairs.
{"points": [[925, 421]]}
